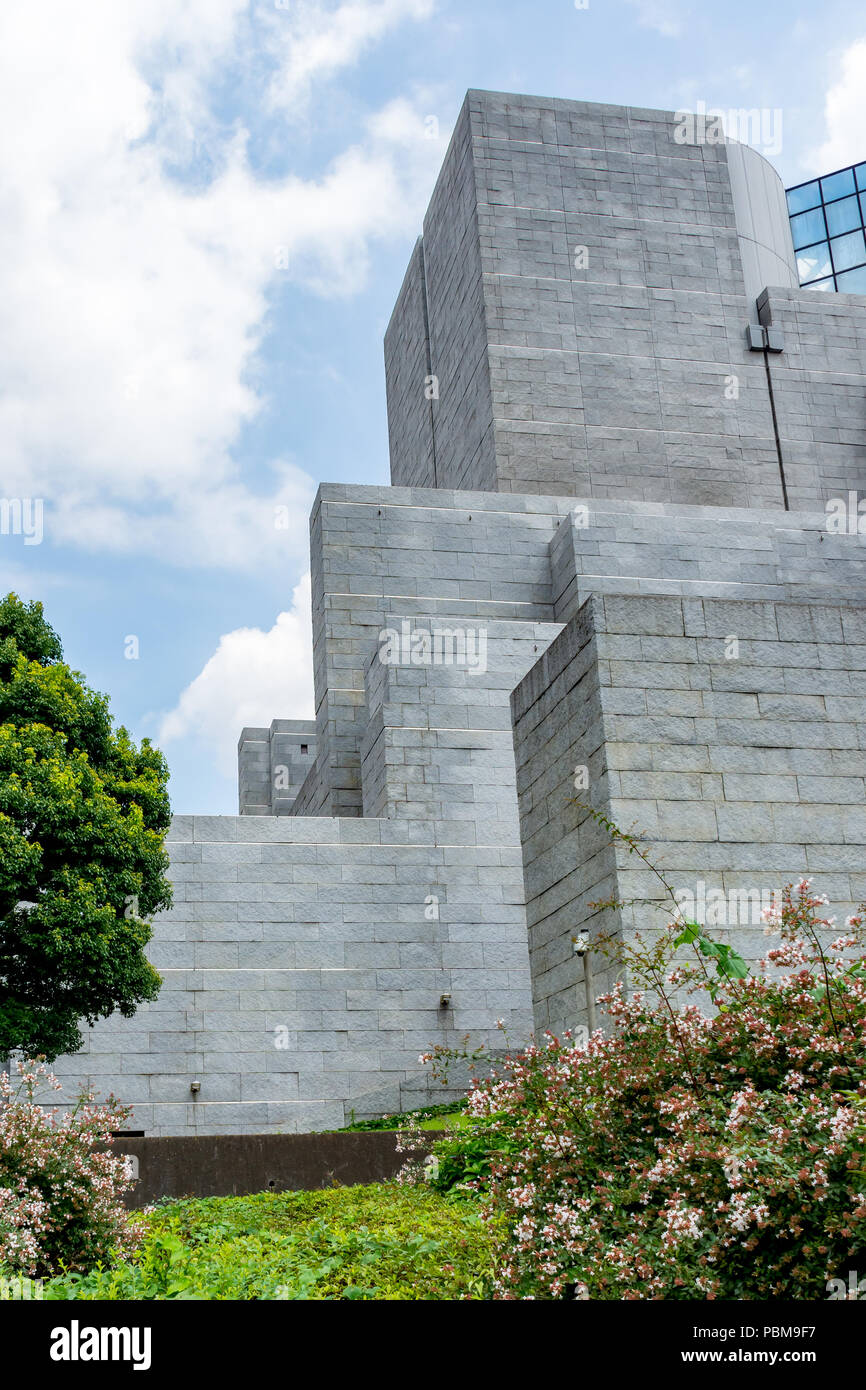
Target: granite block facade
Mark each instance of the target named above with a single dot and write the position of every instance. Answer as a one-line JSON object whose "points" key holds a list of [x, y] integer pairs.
{"points": [[604, 574], [273, 764], [729, 734], [586, 327], [303, 965]]}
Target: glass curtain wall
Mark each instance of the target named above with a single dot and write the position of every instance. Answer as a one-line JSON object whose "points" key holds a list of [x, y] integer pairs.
{"points": [[828, 217]]}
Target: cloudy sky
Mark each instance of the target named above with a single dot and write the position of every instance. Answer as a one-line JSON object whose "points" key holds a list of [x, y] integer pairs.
{"points": [[206, 209]]}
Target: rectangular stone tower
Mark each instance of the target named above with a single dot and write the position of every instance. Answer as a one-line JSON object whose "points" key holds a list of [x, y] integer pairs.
{"points": [[577, 305]]}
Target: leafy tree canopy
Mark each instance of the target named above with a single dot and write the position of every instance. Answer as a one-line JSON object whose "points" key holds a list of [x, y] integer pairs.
{"points": [[83, 816]]}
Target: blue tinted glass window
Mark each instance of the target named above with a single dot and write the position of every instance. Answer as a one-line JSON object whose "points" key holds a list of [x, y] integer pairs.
{"points": [[863, 207], [848, 250], [809, 196], [823, 284], [814, 262], [860, 171], [843, 216], [852, 282], [808, 227], [837, 185]]}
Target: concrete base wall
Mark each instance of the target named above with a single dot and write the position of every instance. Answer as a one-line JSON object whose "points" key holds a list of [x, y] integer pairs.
{"points": [[236, 1166]]}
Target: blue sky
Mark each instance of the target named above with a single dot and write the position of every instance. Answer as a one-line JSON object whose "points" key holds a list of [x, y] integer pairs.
{"points": [[206, 209]]}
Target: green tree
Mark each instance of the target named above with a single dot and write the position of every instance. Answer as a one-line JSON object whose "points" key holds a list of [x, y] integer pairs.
{"points": [[83, 816]]}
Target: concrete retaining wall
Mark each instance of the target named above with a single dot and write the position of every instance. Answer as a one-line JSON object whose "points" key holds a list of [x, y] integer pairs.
{"points": [[237, 1165]]}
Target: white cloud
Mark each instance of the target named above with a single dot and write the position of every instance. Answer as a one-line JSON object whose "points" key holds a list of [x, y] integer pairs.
{"points": [[133, 304], [317, 42], [844, 113], [662, 15], [226, 527], [252, 678]]}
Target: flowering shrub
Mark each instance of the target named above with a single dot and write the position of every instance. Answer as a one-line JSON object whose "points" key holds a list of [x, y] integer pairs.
{"points": [[60, 1197], [687, 1154], [22, 1220]]}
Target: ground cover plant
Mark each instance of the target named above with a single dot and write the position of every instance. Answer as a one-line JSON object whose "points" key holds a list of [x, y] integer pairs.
{"points": [[62, 1220], [383, 1241], [450, 1115]]}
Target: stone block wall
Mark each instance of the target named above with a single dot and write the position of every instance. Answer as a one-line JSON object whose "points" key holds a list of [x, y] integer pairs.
{"points": [[730, 734], [451, 260], [630, 547], [384, 554], [344, 931], [819, 392], [568, 860], [303, 963], [273, 764], [254, 772], [586, 310], [438, 741], [410, 405]]}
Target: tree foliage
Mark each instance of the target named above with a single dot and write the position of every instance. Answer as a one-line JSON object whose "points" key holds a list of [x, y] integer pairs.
{"points": [[83, 815]]}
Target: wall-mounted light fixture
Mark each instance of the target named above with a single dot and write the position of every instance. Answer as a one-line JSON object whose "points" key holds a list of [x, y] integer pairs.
{"points": [[580, 947], [195, 1087]]}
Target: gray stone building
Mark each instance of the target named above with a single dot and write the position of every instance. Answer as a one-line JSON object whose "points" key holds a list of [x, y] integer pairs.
{"points": [[620, 563]]}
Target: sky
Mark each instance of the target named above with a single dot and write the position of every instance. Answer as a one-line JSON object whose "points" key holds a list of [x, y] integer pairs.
{"points": [[206, 211]]}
